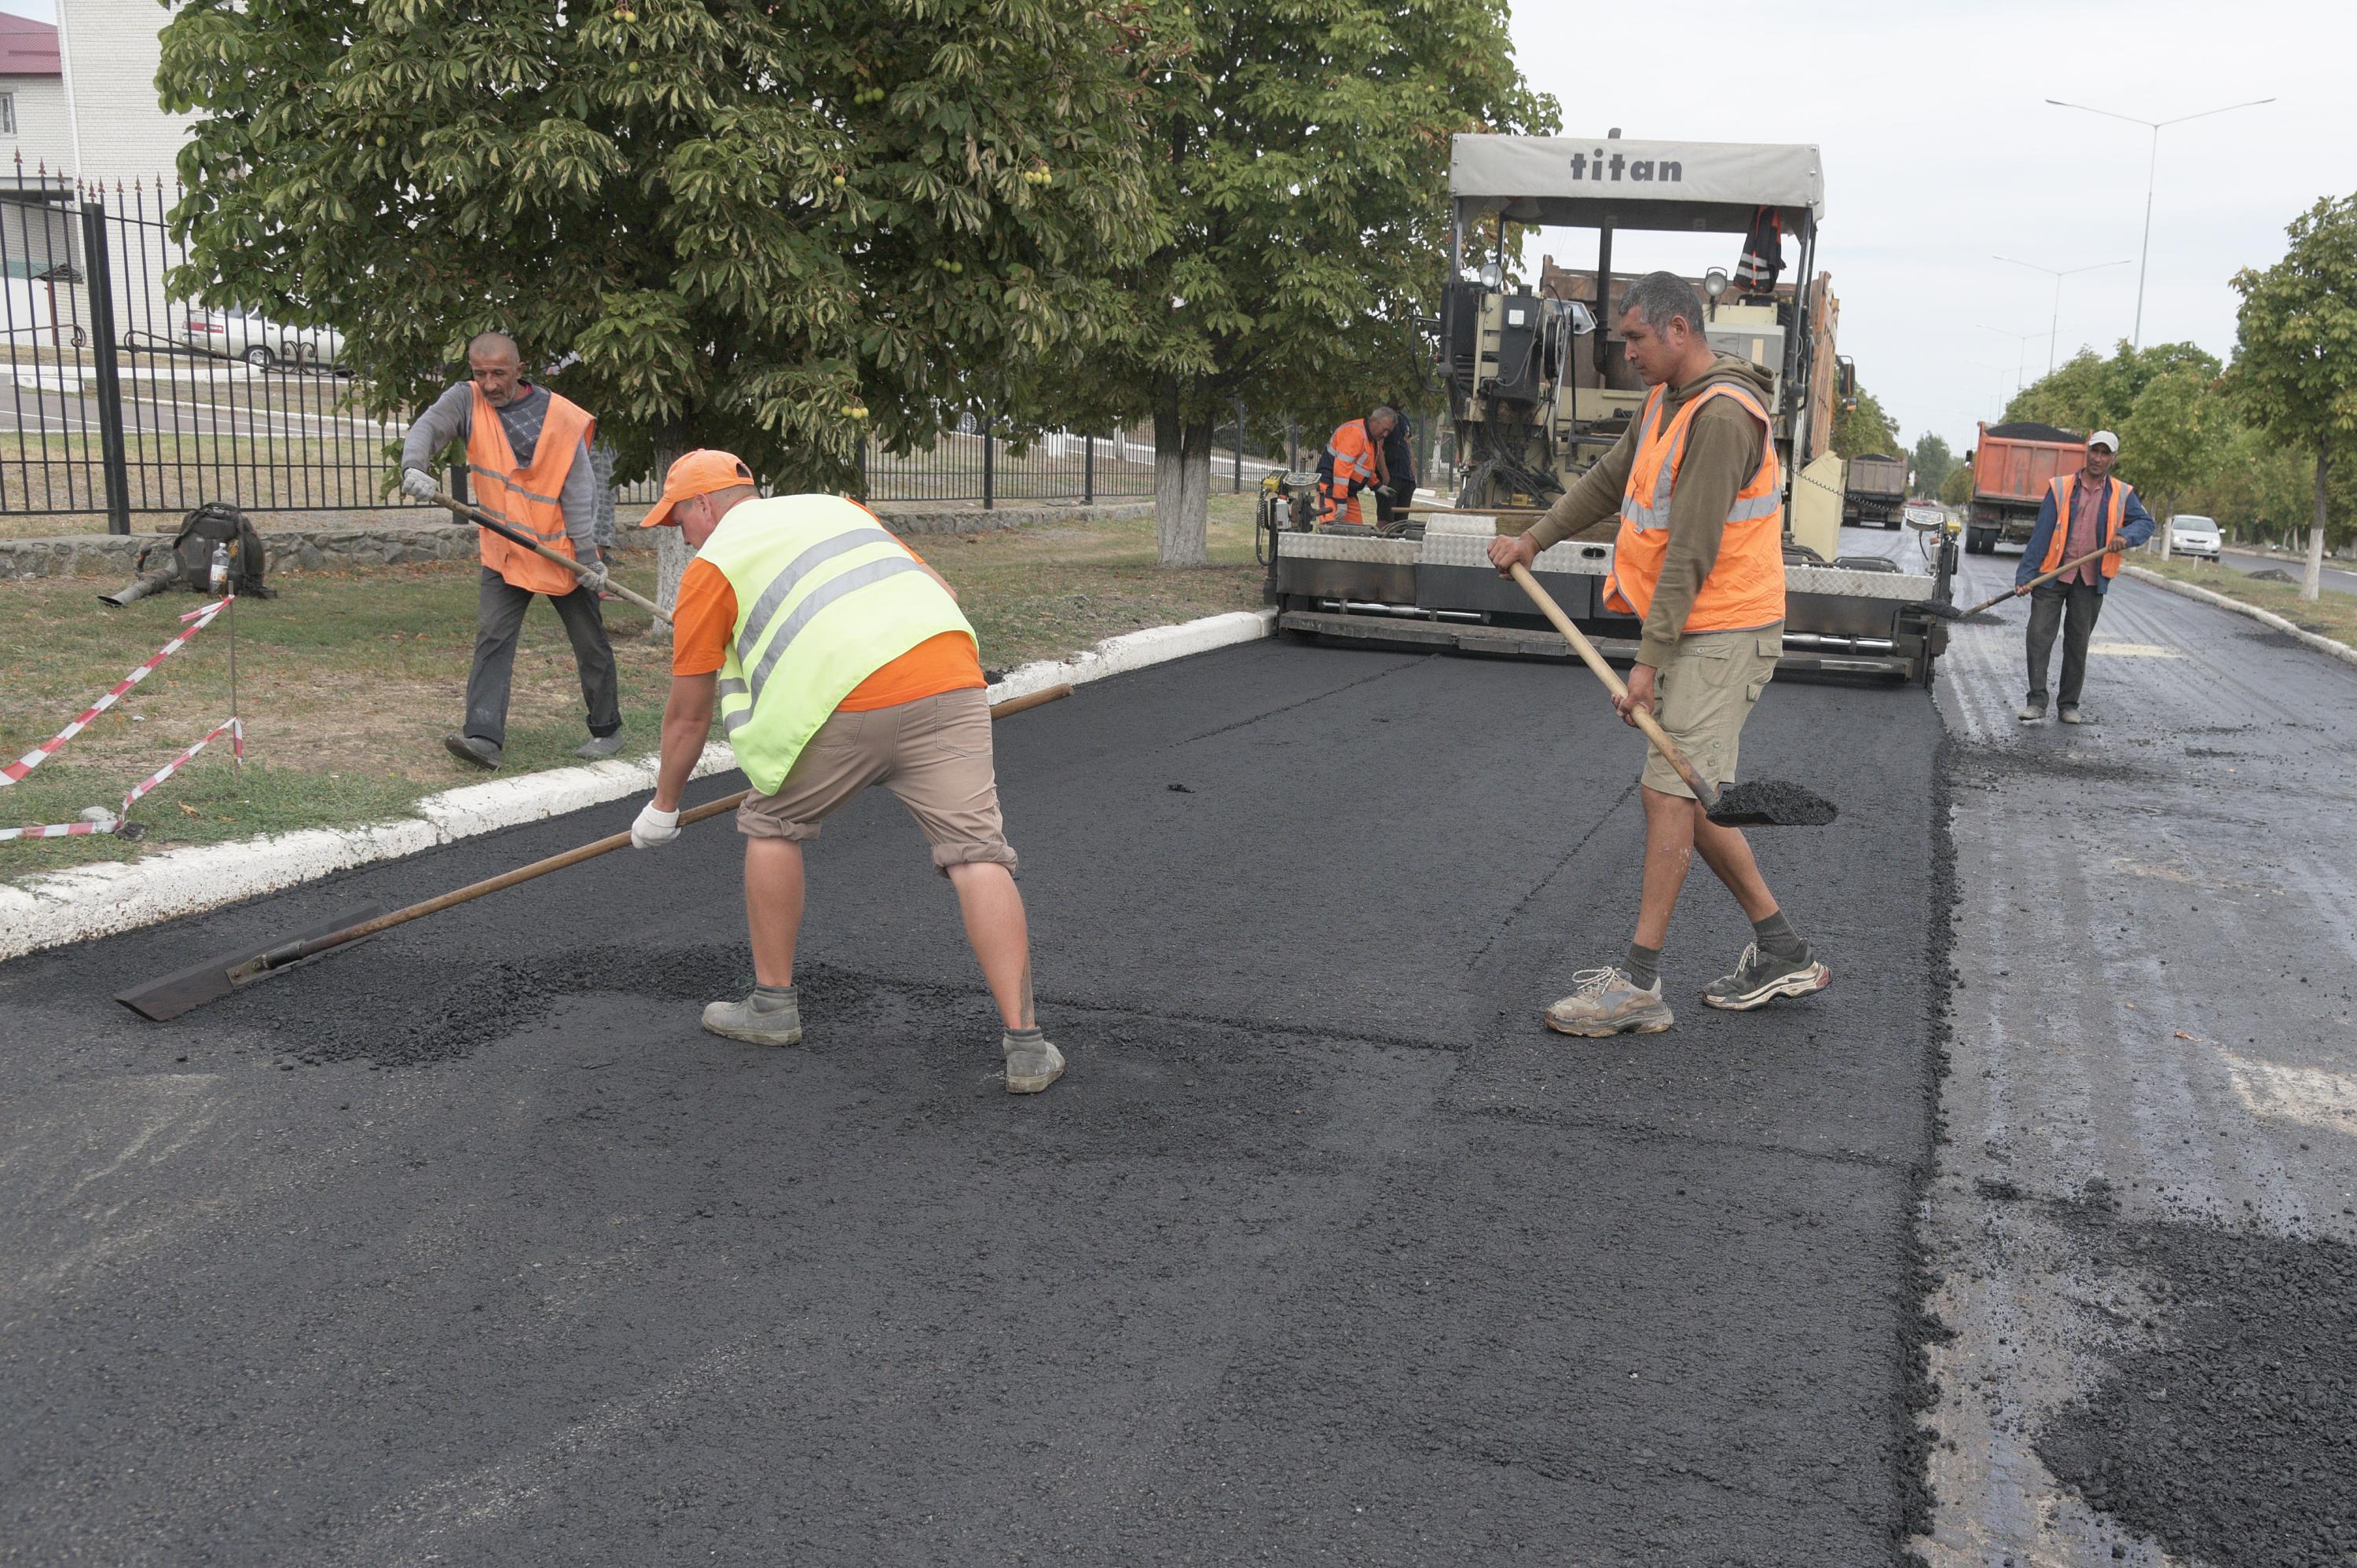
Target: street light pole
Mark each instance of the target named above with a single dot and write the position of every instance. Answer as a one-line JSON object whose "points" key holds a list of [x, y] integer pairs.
{"points": [[2152, 169], [2054, 329], [2022, 341]]}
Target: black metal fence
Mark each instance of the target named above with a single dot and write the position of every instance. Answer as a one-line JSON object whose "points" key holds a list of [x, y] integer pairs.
{"points": [[126, 400]]}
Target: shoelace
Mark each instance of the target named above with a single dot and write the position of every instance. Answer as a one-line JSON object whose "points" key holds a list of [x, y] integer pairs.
{"points": [[1589, 981], [1750, 960]]}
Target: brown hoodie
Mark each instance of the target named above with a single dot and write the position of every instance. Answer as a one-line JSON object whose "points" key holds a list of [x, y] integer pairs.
{"points": [[1722, 454]]}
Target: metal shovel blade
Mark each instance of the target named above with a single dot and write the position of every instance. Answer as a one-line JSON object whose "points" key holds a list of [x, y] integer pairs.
{"points": [[174, 995], [1771, 803]]}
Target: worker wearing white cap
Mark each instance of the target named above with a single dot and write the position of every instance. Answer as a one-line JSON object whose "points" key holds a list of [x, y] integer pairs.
{"points": [[2082, 513]]}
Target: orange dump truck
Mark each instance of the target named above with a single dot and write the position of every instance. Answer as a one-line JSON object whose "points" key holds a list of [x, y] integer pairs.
{"points": [[2012, 467]]}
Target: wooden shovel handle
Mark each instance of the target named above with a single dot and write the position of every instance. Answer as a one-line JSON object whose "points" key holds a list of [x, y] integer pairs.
{"points": [[2017, 591], [278, 957], [482, 518], [1704, 790]]}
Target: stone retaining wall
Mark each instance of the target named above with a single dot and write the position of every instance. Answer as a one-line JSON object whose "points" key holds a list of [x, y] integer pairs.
{"points": [[300, 549]]}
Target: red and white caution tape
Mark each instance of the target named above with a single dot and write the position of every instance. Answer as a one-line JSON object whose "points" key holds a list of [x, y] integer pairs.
{"points": [[108, 821], [202, 617], [227, 727], [62, 830]]}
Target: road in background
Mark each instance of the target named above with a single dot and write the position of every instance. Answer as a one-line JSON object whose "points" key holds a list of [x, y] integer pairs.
{"points": [[2340, 579], [2144, 1208], [467, 1245]]}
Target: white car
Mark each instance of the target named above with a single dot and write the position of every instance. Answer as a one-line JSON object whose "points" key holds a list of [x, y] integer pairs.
{"points": [[241, 335], [2193, 535]]}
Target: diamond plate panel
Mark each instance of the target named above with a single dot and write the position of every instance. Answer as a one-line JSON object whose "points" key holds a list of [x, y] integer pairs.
{"points": [[1347, 547], [1899, 586]]}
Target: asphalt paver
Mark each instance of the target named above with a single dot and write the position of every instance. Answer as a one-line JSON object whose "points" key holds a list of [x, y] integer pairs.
{"points": [[465, 1244]]}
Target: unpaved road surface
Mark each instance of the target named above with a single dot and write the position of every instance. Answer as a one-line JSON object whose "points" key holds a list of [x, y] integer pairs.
{"points": [[467, 1246], [2143, 1217]]}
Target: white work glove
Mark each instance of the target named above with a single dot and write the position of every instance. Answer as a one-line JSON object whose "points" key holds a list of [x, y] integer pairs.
{"points": [[654, 827], [418, 485], [593, 575]]}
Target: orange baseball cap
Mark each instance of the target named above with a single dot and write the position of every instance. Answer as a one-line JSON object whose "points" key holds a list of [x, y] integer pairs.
{"points": [[699, 473]]}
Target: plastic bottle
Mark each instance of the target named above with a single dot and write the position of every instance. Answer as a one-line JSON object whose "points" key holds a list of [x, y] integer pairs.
{"points": [[219, 578]]}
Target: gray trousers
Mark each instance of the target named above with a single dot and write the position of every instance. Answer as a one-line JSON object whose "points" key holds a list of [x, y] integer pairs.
{"points": [[499, 622], [2072, 607]]}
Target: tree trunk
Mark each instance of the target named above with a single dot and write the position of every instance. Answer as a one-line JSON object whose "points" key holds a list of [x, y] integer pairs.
{"points": [[672, 556], [2311, 582], [1182, 484]]}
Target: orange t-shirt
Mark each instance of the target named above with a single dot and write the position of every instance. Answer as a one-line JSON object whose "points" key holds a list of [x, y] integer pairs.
{"points": [[705, 615]]}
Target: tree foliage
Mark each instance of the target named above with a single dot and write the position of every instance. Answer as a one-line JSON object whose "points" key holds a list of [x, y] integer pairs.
{"points": [[2295, 375], [1934, 462], [1866, 430], [2173, 438], [2089, 393], [1300, 162], [767, 225], [1957, 490]]}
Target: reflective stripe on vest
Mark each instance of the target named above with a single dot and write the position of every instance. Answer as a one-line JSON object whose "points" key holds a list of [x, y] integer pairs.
{"points": [[1745, 585], [526, 499], [2066, 487], [825, 597]]}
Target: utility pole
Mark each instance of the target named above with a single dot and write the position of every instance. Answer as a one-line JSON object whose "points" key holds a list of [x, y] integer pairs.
{"points": [[2152, 167]]}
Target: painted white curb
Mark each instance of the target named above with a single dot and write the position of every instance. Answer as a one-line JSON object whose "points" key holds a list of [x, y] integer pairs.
{"points": [[2325, 645], [88, 901]]}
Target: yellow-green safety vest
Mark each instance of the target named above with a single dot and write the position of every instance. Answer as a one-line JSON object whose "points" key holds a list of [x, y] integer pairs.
{"points": [[825, 597]]}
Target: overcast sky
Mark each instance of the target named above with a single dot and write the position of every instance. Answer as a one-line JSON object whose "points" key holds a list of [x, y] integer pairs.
{"points": [[1941, 151]]}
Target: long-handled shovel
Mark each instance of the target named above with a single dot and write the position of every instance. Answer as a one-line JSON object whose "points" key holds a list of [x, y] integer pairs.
{"points": [[1950, 612], [217, 976], [514, 535], [1766, 803]]}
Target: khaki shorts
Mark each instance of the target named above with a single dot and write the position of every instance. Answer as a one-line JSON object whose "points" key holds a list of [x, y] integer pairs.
{"points": [[1703, 698], [933, 753]]}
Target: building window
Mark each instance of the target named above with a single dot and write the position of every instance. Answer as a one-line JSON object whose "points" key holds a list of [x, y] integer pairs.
{"points": [[8, 114]]}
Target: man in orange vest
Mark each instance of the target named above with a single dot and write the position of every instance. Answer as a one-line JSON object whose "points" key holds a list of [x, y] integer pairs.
{"points": [[2083, 513], [528, 452], [1699, 559], [1353, 462]]}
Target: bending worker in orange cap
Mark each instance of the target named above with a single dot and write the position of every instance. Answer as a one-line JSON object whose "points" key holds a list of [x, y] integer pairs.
{"points": [[838, 659]]}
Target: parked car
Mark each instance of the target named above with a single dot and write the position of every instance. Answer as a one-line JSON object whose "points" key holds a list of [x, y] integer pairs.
{"points": [[243, 335], [2189, 534]]}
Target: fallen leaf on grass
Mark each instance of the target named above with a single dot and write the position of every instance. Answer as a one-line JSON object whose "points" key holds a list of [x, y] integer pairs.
{"points": [[2183, 1035], [191, 811]]}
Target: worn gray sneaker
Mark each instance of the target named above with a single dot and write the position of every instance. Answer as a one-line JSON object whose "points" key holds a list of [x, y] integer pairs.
{"points": [[1607, 1002], [2068, 714], [1760, 977], [599, 745], [1032, 1064], [473, 748], [2033, 711], [758, 1020]]}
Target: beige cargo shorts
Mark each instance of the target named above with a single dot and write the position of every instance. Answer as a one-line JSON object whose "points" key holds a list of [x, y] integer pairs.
{"points": [[1703, 698], [933, 753]]}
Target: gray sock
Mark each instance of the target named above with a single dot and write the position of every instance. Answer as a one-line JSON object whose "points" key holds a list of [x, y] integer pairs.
{"points": [[1644, 966], [1777, 938], [770, 998], [1030, 1037]]}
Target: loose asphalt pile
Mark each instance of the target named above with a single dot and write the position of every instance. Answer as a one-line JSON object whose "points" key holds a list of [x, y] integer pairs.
{"points": [[1325, 1251], [2228, 1431]]}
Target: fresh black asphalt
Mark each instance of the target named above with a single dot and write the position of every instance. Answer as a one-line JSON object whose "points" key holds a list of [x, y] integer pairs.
{"points": [[466, 1245]]}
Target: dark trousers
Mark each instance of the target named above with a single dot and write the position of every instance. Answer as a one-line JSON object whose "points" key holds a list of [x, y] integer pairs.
{"points": [[499, 622], [2072, 607]]}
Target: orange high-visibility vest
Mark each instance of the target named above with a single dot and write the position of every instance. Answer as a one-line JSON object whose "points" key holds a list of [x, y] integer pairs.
{"points": [[1745, 585], [2064, 485], [526, 499], [1353, 454]]}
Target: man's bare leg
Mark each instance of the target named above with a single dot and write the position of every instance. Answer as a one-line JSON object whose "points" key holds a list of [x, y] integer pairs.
{"points": [[1669, 853], [994, 924], [1728, 855], [773, 906]]}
